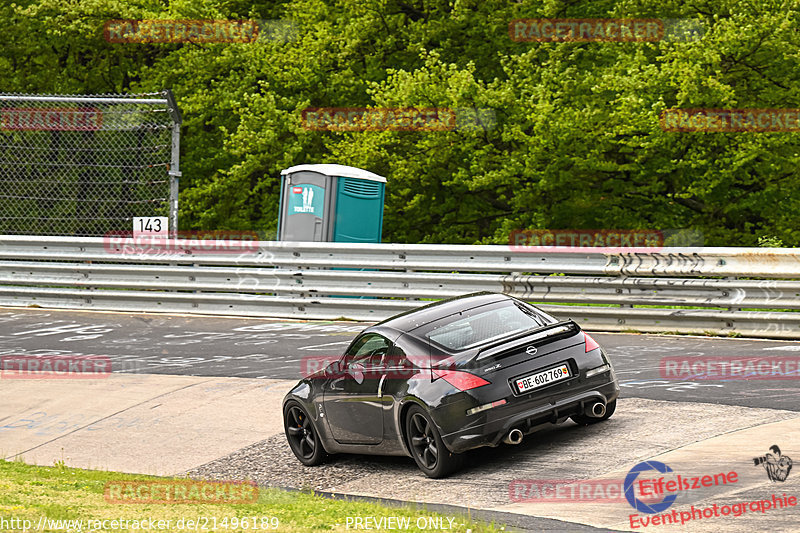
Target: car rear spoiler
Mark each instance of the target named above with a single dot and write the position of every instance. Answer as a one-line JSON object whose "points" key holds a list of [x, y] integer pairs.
{"points": [[551, 332]]}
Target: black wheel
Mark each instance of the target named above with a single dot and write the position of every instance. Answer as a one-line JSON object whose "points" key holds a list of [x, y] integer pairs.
{"points": [[427, 448], [302, 435], [583, 420]]}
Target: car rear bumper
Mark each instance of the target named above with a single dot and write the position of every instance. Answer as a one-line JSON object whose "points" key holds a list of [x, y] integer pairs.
{"points": [[497, 425]]}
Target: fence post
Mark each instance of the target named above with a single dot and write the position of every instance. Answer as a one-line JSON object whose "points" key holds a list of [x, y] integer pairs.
{"points": [[175, 165]]}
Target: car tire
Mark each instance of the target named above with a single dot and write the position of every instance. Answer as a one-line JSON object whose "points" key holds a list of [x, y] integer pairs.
{"points": [[303, 437], [584, 420], [426, 445]]}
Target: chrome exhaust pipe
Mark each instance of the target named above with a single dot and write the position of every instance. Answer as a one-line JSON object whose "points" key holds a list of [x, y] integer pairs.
{"points": [[597, 410], [514, 437]]}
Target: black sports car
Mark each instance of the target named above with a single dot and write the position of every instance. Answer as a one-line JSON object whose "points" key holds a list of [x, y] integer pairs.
{"points": [[449, 377]]}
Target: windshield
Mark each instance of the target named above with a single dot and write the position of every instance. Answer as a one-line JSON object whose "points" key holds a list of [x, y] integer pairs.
{"points": [[485, 324]]}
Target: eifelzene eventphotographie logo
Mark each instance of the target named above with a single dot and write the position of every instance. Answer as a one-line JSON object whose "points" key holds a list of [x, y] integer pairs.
{"points": [[775, 463]]}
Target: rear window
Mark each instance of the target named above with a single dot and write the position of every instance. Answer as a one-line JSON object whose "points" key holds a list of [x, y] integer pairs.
{"points": [[484, 324]]}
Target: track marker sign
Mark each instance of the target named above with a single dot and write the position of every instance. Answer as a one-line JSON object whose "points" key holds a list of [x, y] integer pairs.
{"points": [[150, 227]]}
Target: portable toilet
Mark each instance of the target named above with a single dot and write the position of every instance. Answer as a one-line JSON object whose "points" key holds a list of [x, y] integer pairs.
{"points": [[330, 203]]}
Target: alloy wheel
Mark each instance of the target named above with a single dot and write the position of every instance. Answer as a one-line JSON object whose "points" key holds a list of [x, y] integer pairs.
{"points": [[423, 441], [301, 433]]}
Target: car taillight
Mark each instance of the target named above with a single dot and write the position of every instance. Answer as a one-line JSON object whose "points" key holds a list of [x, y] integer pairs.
{"points": [[461, 380], [591, 344]]}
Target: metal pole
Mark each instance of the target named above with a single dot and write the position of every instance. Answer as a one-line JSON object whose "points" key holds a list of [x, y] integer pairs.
{"points": [[174, 177], [174, 167]]}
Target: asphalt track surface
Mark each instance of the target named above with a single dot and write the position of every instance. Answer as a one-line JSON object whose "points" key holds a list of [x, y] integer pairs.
{"points": [[257, 349], [276, 349]]}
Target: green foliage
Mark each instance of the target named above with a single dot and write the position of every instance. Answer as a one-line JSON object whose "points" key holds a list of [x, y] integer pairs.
{"points": [[769, 241], [35, 493], [577, 142]]}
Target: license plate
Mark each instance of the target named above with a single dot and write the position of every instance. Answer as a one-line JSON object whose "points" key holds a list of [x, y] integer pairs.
{"points": [[540, 379]]}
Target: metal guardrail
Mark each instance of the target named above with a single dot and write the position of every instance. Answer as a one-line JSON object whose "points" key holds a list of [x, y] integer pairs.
{"points": [[687, 290]]}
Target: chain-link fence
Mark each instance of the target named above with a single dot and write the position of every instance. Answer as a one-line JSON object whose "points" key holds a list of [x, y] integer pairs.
{"points": [[86, 165]]}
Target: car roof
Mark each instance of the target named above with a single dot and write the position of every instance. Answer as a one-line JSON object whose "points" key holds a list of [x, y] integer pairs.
{"points": [[415, 318]]}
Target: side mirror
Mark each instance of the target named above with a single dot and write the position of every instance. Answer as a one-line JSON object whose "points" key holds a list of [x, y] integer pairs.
{"points": [[333, 369], [357, 373]]}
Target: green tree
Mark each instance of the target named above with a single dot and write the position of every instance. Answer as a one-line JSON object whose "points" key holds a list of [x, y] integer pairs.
{"points": [[577, 141]]}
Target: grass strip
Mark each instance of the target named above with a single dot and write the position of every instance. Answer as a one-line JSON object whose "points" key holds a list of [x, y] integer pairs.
{"points": [[34, 498]]}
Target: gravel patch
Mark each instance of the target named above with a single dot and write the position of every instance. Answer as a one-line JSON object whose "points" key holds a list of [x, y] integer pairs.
{"points": [[271, 463], [640, 429]]}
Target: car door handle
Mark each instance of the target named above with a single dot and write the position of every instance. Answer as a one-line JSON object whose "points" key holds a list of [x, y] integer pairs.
{"points": [[380, 386], [334, 382]]}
